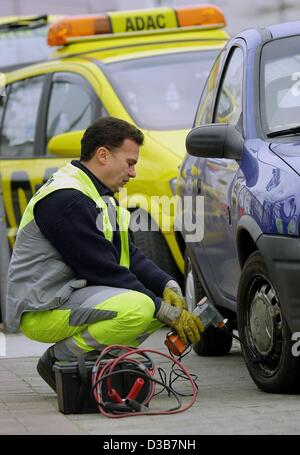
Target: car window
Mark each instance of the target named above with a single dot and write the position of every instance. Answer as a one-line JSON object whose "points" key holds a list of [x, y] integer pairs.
{"points": [[19, 122], [280, 83], [229, 102], [205, 110], [70, 108]]}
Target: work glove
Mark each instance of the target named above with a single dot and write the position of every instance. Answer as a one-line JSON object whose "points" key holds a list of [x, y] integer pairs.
{"points": [[187, 325], [172, 295]]}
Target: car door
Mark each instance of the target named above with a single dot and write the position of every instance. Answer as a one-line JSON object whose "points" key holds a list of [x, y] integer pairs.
{"points": [[217, 183], [33, 110], [190, 185]]}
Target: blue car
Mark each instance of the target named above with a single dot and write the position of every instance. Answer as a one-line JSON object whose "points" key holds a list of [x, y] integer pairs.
{"points": [[238, 209]]}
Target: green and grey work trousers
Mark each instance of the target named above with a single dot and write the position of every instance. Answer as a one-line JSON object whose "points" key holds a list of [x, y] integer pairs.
{"points": [[92, 318]]}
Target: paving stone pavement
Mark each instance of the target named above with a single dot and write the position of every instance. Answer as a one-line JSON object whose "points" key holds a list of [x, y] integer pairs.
{"points": [[228, 402]]}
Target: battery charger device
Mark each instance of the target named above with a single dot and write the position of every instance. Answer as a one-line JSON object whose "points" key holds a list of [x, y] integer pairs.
{"points": [[74, 381], [120, 383], [109, 392]]}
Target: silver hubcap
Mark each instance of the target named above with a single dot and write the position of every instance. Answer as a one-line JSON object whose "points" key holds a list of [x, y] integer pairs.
{"points": [[265, 319]]}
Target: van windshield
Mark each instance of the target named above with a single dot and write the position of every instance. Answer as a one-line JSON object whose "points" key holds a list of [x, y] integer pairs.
{"points": [[162, 92], [23, 42]]}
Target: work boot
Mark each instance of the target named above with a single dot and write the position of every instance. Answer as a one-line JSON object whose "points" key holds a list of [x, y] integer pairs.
{"points": [[45, 367]]}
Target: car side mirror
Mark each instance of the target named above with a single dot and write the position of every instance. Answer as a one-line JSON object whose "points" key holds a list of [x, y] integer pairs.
{"points": [[217, 140], [66, 144]]}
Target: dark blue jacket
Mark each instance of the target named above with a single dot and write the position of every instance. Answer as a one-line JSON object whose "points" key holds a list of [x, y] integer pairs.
{"points": [[67, 218]]}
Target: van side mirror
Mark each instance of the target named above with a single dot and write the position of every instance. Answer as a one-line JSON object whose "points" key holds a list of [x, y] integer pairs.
{"points": [[66, 144]]}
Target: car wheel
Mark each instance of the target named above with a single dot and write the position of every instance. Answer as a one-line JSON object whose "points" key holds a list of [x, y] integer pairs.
{"points": [[214, 342], [262, 326], [155, 247]]}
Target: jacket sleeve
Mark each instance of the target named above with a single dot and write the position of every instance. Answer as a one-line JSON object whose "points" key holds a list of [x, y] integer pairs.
{"points": [[68, 219]]}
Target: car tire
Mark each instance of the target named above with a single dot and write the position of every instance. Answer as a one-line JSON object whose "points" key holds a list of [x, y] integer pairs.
{"points": [[214, 342], [259, 308], [155, 247]]}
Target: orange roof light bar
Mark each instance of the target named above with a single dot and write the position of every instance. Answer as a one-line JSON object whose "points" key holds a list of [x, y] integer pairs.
{"points": [[199, 15], [75, 26], [133, 21]]}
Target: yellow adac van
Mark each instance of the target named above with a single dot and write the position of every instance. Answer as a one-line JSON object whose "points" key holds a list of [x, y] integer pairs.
{"points": [[144, 66]]}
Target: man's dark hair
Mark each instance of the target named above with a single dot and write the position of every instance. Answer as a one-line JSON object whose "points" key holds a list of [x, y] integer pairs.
{"points": [[108, 132]]}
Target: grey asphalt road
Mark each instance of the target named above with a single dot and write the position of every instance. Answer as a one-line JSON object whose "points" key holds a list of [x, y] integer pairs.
{"points": [[228, 402]]}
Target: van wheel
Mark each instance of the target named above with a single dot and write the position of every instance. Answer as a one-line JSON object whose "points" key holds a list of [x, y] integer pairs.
{"points": [[262, 326], [214, 342], [155, 247]]}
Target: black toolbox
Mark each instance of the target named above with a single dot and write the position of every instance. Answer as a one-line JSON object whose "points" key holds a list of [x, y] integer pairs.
{"points": [[74, 385], [73, 389]]}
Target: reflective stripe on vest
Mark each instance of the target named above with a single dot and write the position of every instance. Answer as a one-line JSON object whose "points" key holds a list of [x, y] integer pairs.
{"points": [[71, 177]]}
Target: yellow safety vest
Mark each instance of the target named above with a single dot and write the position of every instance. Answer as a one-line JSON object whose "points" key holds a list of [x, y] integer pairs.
{"points": [[71, 177]]}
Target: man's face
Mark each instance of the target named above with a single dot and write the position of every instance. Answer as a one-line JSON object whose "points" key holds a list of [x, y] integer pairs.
{"points": [[120, 165]]}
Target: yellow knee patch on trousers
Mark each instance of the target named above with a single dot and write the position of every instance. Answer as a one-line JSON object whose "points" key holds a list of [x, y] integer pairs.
{"points": [[135, 312], [48, 326]]}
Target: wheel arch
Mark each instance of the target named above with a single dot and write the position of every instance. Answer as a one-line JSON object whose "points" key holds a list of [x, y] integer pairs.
{"points": [[248, 233], [162, 253]]}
